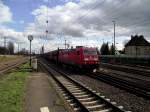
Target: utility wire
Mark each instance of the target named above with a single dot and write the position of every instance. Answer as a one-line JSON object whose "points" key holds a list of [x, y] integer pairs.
{"points": [[142, 23], [81, 18], [111, 10]]}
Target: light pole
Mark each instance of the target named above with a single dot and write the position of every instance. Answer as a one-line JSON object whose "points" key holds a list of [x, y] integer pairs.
{"points": [[65, 44], [19, 46], [114, 35], [5, 45], [30, 38]]}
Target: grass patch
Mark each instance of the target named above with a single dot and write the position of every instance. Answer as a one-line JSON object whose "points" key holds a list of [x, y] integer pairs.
{"points": [[12, 89], [8, 58]]}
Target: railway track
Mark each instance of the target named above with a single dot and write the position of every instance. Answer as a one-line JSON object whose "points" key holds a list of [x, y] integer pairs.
{"points": [[80, 97], [130, 76], [137, 66], [130, 65], [10, 65], [133, 87], [127, 69]]}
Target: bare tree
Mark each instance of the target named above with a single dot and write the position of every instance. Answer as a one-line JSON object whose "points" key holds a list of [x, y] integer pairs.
{"points": [[10, 47]]}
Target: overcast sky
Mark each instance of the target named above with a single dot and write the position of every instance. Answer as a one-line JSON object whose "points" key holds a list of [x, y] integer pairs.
{"points": [[79, 22]]}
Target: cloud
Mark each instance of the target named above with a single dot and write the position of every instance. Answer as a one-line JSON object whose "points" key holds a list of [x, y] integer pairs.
{"points": [[76, 19], [13, 35], [92, 18], [20, 38], [57, 16], [5, 13], [88, 19]]}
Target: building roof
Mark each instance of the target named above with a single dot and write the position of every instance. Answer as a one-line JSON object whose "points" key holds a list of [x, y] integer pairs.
{"points": [[137, 41]]}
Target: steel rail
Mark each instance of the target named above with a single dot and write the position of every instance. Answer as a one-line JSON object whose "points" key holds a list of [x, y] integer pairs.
{"points": [[128, 69], [11, 66], [121, 83], [72, 88]]}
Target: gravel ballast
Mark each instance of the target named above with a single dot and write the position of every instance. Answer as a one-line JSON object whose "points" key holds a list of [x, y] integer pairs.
{"points": [[129, 101]]}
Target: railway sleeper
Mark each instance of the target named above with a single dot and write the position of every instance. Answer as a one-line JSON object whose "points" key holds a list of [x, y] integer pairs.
{"points": [[79, 93], [77, 109], [83, 96], [72, 87], [68, 84], [105, 110], [96, 107], [91, 103], [75, 91], [86, 99]]}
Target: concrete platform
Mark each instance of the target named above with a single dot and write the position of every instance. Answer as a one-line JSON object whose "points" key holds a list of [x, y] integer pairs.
{"points": [[41, 96]]}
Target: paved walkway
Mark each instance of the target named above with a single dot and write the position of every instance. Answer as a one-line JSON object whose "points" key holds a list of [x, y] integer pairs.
{"points": [[40, 96]]}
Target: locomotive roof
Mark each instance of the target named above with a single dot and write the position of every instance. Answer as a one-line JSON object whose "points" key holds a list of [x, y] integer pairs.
{"points": [[66, 50], [71, 49]]}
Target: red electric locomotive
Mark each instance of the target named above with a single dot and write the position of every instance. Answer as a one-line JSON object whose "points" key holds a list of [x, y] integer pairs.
{"points": [[82, 57], [79, 57]]}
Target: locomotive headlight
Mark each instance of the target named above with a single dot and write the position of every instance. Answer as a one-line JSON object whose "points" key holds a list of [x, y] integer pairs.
{"points": [[95, 59], [86, 59]]}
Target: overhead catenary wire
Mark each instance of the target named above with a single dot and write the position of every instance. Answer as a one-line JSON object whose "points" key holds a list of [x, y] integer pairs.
{"points": [[116, 10], [57, 34], [114, 14], [80, 19], [134, 24], [90, 10]]}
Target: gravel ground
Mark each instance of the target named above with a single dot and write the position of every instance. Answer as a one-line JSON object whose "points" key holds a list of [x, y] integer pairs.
{"points": [[129, 101]]}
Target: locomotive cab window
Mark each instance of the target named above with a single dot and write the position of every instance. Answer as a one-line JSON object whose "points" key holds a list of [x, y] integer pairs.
{"points": [[90, 52]]}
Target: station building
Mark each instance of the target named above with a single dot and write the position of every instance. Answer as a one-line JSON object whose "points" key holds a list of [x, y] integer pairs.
{"points": [[137, 46]]}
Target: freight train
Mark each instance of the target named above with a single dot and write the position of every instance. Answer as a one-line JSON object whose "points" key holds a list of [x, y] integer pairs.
{"points": [[80, 57]]}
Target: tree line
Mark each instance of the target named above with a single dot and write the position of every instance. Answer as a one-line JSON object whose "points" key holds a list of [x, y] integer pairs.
{"points": [[9, 49], [108, 50]]}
